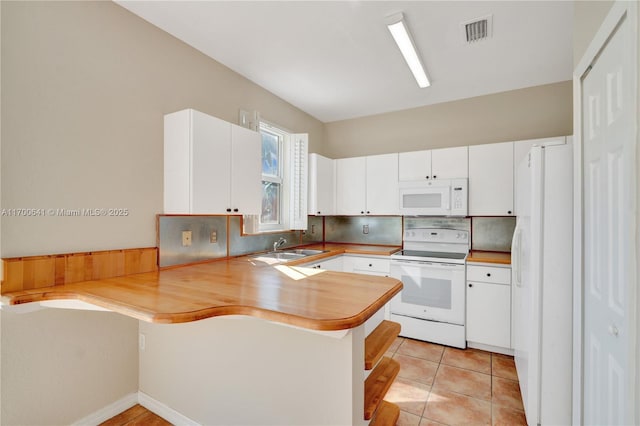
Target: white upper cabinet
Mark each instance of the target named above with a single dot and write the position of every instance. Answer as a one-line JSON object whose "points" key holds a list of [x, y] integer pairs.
{"points": [[491, 179], [367, 185], [246, 171], [210, 166], [450, 163], [414, 165], [322, 185], [351, 186], [382, 185], [445, 163]]}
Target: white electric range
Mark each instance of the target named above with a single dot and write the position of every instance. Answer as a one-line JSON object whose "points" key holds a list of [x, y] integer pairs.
{"points": [[431, 305]]}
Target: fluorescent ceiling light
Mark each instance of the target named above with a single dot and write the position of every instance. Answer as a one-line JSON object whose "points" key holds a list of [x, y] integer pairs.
{"points": [[401, 35]]}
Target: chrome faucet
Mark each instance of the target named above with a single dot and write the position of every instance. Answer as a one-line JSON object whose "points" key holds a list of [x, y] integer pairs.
{"points": [[279, 243]]}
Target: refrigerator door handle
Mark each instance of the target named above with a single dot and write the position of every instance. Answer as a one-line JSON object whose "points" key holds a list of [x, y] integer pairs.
{"points": [[515, 258]]}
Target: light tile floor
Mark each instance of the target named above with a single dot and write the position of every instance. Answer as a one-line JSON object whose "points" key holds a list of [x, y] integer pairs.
{"points": [[439, 385]]}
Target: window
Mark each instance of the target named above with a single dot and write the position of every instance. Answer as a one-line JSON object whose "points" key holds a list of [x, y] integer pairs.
{"points": [[284, 179], [272, 178]]}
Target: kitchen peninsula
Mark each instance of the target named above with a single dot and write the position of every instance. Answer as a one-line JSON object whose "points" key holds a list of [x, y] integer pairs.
{"points": [[240, 341]]}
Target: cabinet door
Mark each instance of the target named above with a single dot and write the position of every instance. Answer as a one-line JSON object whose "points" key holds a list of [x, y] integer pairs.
{"points": [[210, 151], [382, 184], [414, 165], [489, 314], [246, 171], [491, 179], [351, 186], [450, 163], [322, 184]]}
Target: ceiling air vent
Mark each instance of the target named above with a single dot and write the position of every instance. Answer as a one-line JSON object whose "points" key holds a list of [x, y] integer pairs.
{"points": [[477, 29]]}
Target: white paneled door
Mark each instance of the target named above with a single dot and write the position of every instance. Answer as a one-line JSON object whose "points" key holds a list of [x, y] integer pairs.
{"points": [[608, 129]]}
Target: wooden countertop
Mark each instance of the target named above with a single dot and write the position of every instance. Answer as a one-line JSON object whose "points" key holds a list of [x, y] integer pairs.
{"points": [[304, 297], [489, 257]]}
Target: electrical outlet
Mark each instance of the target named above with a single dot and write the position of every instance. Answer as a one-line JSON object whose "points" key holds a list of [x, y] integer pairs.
{"points": [[213, 238], [186, 238]]}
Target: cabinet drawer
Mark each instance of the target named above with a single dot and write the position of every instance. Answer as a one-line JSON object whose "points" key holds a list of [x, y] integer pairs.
{"points": [[367, 264], [489, 274]]}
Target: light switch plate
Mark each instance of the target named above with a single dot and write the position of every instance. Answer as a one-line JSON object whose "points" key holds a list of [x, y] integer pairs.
{"points": [[186, 238]]}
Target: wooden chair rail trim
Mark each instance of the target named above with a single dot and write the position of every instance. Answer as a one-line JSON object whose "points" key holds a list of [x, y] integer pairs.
{"points": [[377, 343], [377, 385], [32, 272]]}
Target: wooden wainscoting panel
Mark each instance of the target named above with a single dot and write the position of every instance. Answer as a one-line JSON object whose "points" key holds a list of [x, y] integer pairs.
{"points": [[107, 264], [24, 273], [75, 268]]}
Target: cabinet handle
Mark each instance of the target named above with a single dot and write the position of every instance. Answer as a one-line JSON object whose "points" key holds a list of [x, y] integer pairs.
{"points": [[368, 212], [434, 176], [427, 177], [228, 210], [361, 211], [488, 274], [370, 265], [470, 285], [509, 212], [318, 212], [235, 210]]}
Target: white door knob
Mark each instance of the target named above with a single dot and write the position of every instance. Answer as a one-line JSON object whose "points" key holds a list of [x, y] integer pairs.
{"points": [[613, 330]]}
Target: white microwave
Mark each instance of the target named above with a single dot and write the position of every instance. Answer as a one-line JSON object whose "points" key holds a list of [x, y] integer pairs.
{"points": [[440, 197]]}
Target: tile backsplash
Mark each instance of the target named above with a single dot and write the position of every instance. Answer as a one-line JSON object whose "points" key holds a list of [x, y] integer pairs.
{"points": [[171, 251], [250, 243], [492, 233], [489, 233], [383, 230]]}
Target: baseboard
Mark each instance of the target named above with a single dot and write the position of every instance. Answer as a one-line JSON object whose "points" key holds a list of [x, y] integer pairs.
{"points": [[489, 348], [109, 411], [164, 411]]}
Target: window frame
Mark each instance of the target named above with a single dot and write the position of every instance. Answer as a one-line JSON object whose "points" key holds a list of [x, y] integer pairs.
{"points": [[280, 179]]}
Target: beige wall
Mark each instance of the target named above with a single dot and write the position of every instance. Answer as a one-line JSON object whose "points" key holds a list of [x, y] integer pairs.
{"points": [[85, 86], [534, 112], [587, 18], [59, 366]]}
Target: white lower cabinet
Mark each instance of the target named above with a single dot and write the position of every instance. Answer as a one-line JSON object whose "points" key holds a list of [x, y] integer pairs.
{"points": [[489, 305], [329, 264], [370, 265]]}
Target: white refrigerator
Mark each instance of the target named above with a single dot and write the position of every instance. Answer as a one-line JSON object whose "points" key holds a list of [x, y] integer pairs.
{"points": [[542, 283]]}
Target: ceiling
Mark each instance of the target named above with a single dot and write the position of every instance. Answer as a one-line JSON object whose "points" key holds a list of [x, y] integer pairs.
{"points": [[337, 60]]}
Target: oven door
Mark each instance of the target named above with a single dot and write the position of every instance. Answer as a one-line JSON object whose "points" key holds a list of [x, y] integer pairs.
{"points": [[432, 291]]}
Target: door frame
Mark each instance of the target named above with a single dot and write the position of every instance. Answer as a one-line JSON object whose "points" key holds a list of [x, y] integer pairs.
{"points": [[618, 11]]}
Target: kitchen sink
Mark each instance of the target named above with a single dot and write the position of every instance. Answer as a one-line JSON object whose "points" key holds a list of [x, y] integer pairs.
{"points": [[282, 255], [304, 252], [286, 255]]}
